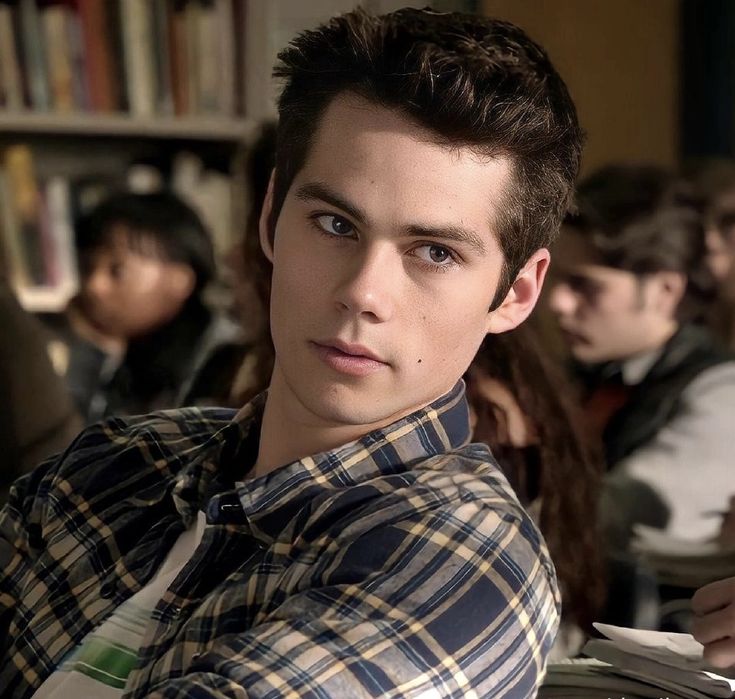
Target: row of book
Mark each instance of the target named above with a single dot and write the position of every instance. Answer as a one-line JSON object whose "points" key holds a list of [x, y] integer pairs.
{"points": [[38, 215], [143, 57], [637, 664]]}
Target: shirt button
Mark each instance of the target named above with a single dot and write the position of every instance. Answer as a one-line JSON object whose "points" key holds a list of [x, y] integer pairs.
{"points": [[107, 591]]}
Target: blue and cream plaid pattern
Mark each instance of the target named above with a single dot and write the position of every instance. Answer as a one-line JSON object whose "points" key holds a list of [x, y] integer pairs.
{"points": [[400, 565]]}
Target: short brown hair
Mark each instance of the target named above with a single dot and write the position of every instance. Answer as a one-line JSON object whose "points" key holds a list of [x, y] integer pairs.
{"points": [[642, 219], [472, 80]]}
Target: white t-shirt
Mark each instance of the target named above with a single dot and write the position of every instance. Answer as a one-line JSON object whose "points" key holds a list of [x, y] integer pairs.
{"points": [[99, 666]]}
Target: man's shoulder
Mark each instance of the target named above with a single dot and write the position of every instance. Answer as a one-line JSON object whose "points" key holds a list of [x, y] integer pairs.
{"points": [[466, 479], [120, 448], [183, 426]]}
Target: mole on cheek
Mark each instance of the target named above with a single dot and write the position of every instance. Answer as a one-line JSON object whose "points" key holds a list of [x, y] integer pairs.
{"points": [[419, 362]]}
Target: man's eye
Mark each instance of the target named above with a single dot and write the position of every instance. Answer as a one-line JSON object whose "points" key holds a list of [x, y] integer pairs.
{"points": [[435, 254], [334, 225]]}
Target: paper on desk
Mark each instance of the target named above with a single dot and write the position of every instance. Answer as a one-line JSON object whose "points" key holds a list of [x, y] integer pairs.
{"points": [[695, 683], [679, 650]]}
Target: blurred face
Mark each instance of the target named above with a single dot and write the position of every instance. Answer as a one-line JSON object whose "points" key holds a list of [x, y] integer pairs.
{"points": [[128, 292], [720, 251], [720, 242], [606, 314], [495, 415], [386, 260]]}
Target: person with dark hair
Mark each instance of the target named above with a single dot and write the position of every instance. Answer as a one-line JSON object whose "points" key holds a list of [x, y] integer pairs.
{"points": [[237, 371], [524, 410], [139, 329], [339, 536], [631, 290], [720, 240]]}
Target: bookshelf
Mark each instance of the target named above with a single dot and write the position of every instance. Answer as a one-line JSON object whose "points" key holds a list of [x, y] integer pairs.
{"points": [[100, 94], [29, 124]]}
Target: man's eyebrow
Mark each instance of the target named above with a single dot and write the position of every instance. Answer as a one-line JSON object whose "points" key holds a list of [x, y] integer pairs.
{"points": [[455, 234], [321, 192]]}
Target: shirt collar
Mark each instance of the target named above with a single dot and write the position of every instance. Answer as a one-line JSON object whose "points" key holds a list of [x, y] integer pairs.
{"points": [[268, 501], [635, 369]]}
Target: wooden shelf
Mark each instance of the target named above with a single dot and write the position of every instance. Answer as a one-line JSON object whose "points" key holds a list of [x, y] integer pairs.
{"points": [[122, 126]]}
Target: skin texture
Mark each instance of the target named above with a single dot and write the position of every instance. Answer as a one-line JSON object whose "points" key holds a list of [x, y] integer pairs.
{"points": [[608, 314], [386, 240], [130, 291], [714, 622]]}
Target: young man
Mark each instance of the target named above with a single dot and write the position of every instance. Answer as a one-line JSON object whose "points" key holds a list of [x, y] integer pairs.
{"points": [[338, 537], [631, 280]]}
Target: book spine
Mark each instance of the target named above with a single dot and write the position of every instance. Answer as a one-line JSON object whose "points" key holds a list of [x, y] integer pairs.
{"points": [[58, 200], [25, 201], [58, 55], [97, 58], [15, 266], [162, 56], [208, 44], [114, 34], [79, 70], [191, 18], [227, 74], [34, 54], [10, 76], [138, 56], [179, 59]]}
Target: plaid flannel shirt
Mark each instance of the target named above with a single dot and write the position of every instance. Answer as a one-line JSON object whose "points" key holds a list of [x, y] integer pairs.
{"points": [[400, 565]]}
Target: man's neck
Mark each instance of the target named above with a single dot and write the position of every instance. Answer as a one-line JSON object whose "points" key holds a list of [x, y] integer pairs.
{"points": [[290, 432]]}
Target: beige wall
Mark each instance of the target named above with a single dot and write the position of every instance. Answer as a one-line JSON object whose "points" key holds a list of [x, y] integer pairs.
{"points": [[619, 60]]}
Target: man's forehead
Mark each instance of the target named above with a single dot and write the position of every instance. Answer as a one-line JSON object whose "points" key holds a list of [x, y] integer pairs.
{"points": [[364, 150]]}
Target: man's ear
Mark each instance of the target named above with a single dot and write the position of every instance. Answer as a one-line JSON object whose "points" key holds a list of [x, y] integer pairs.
{"points": [[521, 299], [266, 244], [181, 281], [668, 291]]}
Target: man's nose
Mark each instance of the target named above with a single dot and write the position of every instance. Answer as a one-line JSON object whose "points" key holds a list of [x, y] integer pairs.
{"points": [[97, 284], [369, 286], [562, 299]]}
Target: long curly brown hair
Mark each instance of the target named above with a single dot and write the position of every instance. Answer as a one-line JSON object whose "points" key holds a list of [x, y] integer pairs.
{"points": [[563, 469]]}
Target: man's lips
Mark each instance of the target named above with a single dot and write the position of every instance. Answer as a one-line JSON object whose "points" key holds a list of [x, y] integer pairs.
{"points": [[347, 358], [573, 337]]}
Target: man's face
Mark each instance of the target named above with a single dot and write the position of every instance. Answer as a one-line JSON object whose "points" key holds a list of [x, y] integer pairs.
{"points": [[386, 260], [605, 314], [130, 291]]}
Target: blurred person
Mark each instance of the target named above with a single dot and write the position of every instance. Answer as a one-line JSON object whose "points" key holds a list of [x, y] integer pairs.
{"points": [[726, 536], [720, 238], [37, 415], [339, 536], [522, 407], [139, 328], [237, 371], [630, 289]]}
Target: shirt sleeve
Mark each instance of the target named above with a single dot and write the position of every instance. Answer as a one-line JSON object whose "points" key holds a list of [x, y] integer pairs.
{"points": [[464, 604], [685, 473]]}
